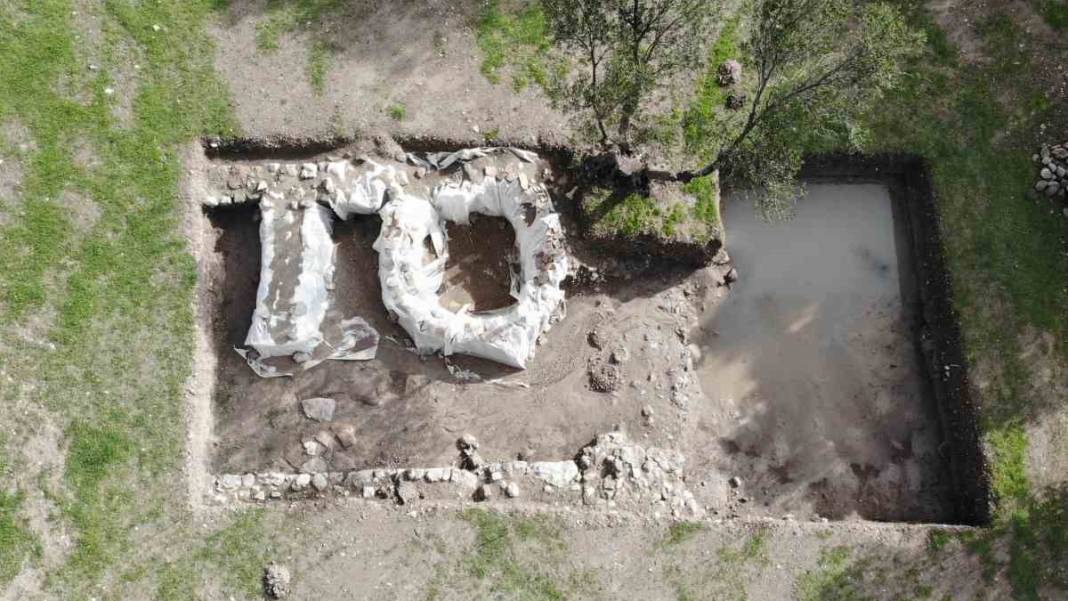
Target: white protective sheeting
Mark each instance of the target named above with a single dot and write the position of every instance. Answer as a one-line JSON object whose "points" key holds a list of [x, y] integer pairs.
{"points": [[410, 283], [287, 323]]}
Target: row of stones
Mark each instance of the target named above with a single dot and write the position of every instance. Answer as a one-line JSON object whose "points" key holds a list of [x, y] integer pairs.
{"points": [[391, 483], [1053, 170], [610, 471]]}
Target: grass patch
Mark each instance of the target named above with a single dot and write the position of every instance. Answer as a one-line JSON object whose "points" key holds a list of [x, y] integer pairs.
{"points": [[515, 40], [725, 578], [704, 121], [397, 111], [705, 191], [119, 292], [289, 16], [1055, 12], [516, 556], [17, 543], [835, 578], [318, 65], [680, 532]]}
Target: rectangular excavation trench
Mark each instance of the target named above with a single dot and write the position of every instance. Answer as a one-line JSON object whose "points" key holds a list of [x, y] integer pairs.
{"points": [[408, 411], [833, 373]]}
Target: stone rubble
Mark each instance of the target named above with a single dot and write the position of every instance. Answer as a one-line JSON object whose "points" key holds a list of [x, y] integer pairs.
{"points": [[319, 409], [1052, 164], [276, 579], [612, 471]]}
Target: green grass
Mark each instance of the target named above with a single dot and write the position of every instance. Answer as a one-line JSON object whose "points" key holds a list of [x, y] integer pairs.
{"points": [[289, 16], [117, 294], [706, 208], [835, 578], [514, 40], [978, 140], [318, 65], [1055, 12], [726, 577], [680, 532], [17, 543], [704, 122], [397, 111], [520, 557]]}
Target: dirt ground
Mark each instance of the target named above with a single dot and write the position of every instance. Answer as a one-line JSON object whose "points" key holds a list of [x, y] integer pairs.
{"points": [[421, 55]]}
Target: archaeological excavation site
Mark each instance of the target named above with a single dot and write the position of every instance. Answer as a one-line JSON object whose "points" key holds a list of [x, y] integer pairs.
{"points": [[427, 323]]}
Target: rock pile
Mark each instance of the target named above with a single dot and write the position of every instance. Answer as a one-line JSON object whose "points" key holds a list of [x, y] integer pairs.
{"points": [[276, 581], [616, 471], [1053, 170]]}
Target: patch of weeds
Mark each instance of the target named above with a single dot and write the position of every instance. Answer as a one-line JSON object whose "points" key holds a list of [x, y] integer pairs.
{"points": [[835, 578], [725, 578], [680, 532], [95, 453], [1008, 454], [238, 552], [318, 65], [492, 135], [1055, 12], [938, 539], [705, 191], [288, 16], [516, 556], [703, 122], [120, 292], [515, 39], [635, 214], [397, 111], [17, 543]]}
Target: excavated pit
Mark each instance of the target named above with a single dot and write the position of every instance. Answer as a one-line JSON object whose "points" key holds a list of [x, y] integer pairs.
{"points": [[830, 404]]}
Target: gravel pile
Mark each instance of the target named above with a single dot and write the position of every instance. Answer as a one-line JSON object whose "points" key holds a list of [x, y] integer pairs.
{"points": [[1053, 170]]}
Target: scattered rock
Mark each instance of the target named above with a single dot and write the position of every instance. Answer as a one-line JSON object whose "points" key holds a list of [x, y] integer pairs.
{"points": [[735, 482], [406, 493], [595, 340], [326, 439], [467, 442], [730, 277], [320, 409], [604, 377], [620, 355], [512, 490], [313, 448], [647, 411], [276, 580], [483, 493], [736, 101], [315, 465], [319, 481], [346, 435], [730, 73]]}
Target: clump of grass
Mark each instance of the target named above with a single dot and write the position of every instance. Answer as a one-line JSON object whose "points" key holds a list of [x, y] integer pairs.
{"points": [[835, 577], [516, 41], [492, 135], [680, 532], [725, 578], [397, 111], [514, 556], [704, 120], [285, 17], [17, 543], [1055, 12], [706, 207], [318, 65]]}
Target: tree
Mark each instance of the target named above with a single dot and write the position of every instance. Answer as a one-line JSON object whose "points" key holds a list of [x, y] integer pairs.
{"points": [[625, 48], [818, 66], [812, 70]]}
